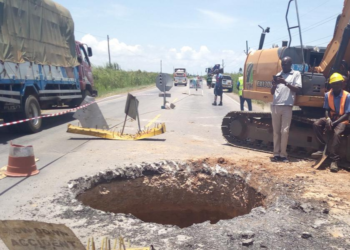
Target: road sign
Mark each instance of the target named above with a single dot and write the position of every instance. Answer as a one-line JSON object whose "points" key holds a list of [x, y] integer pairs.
{"points": [[131, 106], [164, 79], [131, 109], [32, 235], [91, 116]]}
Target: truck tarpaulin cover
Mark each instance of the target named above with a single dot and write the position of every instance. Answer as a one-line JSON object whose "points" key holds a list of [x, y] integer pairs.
{"points": [[39, 31]]}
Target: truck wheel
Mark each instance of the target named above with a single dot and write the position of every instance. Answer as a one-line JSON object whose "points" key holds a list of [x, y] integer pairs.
{"points": [[230, 90], [31, 109], [175, 84]]}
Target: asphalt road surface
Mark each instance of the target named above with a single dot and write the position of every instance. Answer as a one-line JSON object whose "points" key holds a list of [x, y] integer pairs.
{"points": [[193, 131]]}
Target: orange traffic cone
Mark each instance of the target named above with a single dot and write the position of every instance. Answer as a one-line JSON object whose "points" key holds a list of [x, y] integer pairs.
{"points": [[21, 161]]}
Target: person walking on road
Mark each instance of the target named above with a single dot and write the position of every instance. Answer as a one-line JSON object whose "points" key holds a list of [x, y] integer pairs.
{"points": [[209, 81], [337, 105], [240, 93], [285, 85], [218, 87]]}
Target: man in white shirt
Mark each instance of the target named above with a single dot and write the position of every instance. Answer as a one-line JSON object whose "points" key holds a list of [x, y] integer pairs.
{"points": [[285, 85]]}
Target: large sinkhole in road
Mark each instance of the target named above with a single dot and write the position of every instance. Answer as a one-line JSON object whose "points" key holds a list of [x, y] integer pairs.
{"points": [[180, 199]]}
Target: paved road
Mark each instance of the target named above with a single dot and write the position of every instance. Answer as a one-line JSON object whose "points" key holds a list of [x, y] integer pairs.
{"points": [[193, 131]]}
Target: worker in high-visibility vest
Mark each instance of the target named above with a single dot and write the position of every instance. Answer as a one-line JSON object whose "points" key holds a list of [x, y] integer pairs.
{"points": [[240, 92], [337, 105]]}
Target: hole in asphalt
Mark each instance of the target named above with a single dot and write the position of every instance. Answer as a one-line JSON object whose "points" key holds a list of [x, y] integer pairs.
{"points": [[179, 198]]}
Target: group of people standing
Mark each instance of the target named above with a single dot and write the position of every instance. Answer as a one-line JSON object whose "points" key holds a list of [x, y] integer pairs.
{"points": [[218, 91], [285, 85]]}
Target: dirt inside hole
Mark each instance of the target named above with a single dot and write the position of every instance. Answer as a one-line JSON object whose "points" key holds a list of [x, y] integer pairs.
{"points": [[177, 199]]}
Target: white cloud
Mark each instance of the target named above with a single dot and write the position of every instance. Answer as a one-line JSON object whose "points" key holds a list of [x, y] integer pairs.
{"points": [[134, 57], [217, 17]]}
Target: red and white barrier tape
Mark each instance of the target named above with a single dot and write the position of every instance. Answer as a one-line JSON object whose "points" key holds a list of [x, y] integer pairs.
{"points": [[45, 116], [56, 114]]}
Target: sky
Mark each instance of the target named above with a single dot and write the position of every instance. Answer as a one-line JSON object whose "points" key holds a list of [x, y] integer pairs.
{"points": [[195, 34]]}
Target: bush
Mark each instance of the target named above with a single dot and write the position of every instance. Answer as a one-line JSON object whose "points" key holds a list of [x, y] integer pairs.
{"points": [[109, 78]]}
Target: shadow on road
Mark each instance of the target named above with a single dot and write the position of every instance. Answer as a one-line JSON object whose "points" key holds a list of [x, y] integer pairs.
{"points": [[48, 123], [153, 139], [87, 138], [94, 139]]}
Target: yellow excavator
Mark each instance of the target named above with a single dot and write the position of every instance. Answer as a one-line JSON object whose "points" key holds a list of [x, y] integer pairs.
{"points": [[254, 129]]}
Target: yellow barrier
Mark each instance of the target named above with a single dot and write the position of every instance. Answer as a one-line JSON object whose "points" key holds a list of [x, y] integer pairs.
{"points": [[106, 245], [157, 130]]}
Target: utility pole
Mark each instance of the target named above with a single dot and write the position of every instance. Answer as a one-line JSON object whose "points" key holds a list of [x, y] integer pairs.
{"points": [[160, 66], [247, 49], [223, 66], [109, 52]]}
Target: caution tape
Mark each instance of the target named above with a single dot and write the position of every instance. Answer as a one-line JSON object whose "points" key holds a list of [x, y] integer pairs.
{"points": [[51, 115], [45, 116]]}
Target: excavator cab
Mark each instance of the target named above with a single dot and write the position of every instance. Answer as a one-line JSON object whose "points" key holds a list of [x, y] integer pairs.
{"points": [[314, 84]]}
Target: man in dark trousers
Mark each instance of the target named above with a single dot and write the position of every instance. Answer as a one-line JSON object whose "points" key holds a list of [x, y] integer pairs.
{"points": [[218, 87], [240, 93], [337, 106]]}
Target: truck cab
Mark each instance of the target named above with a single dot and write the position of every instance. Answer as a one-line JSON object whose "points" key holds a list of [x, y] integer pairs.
{"points": [[85, 71], [180, 77]]}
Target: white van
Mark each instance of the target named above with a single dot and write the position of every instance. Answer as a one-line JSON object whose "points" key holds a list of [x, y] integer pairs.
{"points": [[213, 81]]}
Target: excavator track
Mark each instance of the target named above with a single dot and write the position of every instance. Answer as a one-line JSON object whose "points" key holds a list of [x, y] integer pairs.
{"points": [[253, 131]]}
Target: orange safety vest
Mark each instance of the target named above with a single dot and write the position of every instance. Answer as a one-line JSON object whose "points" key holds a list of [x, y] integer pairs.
{"points": [[334, 115]]}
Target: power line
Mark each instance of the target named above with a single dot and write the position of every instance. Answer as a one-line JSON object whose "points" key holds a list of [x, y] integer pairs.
{"points": [[322, 44], [319, 39], [315, 8], [308, 28], [306, 13]]}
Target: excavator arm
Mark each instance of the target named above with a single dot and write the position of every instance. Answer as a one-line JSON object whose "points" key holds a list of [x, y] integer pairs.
{"points": [[329, 58]]}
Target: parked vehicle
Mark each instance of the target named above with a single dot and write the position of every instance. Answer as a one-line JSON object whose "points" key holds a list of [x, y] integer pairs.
{"points": [[49, 69], [180, 76], [213, 81], [227, 83], [209, 79]]}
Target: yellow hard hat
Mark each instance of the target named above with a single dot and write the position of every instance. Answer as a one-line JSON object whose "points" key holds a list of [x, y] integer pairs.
{"points": [[336, 77]]}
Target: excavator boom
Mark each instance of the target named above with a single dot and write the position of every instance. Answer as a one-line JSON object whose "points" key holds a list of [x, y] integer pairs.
{"points": [[330, 54]]}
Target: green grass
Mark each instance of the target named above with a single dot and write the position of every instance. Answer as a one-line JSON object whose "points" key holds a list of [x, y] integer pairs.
{"points": [[111, 80], [123, 90]]}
